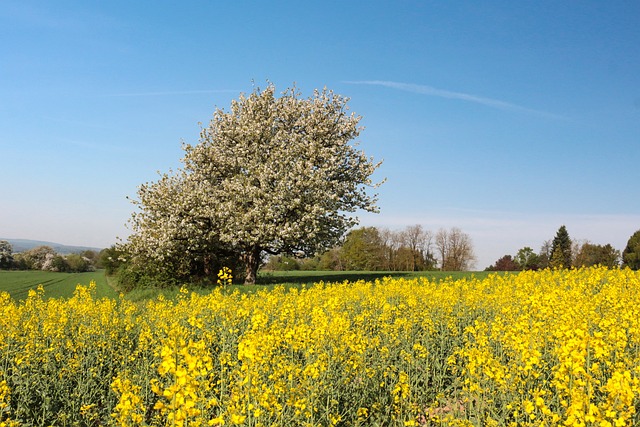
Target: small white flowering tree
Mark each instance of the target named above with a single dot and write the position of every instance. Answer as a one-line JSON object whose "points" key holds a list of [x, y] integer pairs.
{"points": [[6, 254], [272, 175]]}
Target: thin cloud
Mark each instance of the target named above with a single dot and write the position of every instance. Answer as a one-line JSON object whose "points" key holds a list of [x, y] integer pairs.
{"points": [[441, 93], [96, 146], [177, 92]]}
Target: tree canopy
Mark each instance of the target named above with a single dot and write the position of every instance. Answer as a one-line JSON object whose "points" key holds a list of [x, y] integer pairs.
{"points": [[631, 253], [527, 259], [363, 250], [274, 174], [6, 254], [589, 254]]}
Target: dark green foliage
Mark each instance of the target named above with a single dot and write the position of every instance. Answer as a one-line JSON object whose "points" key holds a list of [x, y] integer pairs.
{"points": [[77, 263], [561, 249], [19, 262], [131, 277], [112, 258], [362, 249], [631, 253], [140, 272], [59, 264], [527, 259]]}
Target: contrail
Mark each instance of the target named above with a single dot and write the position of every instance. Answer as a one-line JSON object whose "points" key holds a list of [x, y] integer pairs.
{"points": [[432, 91]]}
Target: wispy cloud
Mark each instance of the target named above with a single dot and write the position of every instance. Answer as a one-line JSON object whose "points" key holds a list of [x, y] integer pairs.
{"points": [[441, 93], [97, 146], [177, 92]]}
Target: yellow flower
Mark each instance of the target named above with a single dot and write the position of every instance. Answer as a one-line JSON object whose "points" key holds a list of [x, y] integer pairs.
{"points": [[224, 277], [237, 419], [362, 413], [218, 421]]}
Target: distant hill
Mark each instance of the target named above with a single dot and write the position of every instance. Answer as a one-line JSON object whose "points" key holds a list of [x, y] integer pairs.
{"points": [[21, 245]]}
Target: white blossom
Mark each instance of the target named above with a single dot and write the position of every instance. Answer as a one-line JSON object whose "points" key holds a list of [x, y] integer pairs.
{"points": [[273, 174]]}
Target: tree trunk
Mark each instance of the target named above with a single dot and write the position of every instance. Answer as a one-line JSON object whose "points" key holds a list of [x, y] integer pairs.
{"points": [[251, 260], [207, 268]]}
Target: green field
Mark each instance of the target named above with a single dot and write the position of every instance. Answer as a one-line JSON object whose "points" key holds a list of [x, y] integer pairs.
{"points": [[308, 277], [18, 283], [298, 278]]}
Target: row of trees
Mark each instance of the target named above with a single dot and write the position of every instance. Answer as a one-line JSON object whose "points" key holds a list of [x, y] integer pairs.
{"points": [[47, 259], [563, 252], [382, 249]]}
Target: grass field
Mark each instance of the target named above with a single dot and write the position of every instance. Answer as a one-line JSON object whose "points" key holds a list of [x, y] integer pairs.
{"points": [[308, 277], [56, 285], [296, 279]]}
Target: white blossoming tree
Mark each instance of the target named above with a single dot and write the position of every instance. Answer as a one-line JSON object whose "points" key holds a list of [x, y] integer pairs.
{"points": [[275, 174]]}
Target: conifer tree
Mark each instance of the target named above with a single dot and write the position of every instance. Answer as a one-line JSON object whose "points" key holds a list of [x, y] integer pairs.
{"points": [[631, 253], [561, 249]]}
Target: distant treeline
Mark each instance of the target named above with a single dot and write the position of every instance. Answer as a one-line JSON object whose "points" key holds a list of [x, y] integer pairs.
{"points": [[45, 258], [417, 249], [563, 252], [379, 249]]}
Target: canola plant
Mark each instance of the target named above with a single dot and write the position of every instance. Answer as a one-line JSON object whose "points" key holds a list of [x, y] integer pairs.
{"points": [[555, 347]]}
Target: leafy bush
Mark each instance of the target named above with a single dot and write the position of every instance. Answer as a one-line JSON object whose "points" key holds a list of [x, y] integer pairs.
{"points": [[131, 277]]}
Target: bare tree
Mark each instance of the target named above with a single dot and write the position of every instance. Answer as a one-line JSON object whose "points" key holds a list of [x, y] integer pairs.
{"points": [[544, 257], [442, 246], [418, 241], [387, 238], [455, 249]]}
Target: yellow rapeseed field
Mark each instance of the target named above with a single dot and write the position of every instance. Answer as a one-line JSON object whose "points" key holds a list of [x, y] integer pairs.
{"points": [[531, 349]]}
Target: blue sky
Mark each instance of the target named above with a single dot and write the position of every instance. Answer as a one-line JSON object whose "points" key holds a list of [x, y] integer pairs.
{"points": [[505, 119]]}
